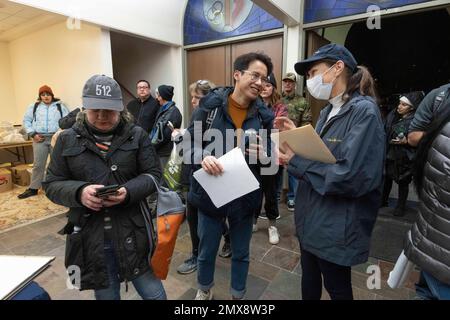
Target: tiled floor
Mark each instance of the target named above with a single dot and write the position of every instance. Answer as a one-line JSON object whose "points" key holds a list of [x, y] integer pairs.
{"points": [[274, 274]]}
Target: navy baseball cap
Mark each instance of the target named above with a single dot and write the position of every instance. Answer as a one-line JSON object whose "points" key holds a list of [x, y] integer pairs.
{"points": [[330, 51]]}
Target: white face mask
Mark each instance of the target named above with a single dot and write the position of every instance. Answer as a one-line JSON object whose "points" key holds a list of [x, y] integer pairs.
{"points": [[318, 89]]}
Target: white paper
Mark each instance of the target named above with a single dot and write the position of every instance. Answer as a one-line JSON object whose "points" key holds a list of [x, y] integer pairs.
{"points": [[17, 271], [236, 181], [400, 273]]}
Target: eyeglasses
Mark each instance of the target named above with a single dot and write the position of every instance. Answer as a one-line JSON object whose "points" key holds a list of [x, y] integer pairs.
{"points": [[255, 77], [43, 94], [142, 88], [202, 82]]}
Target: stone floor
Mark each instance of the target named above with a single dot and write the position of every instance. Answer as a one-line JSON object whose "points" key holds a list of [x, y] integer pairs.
{"points": [[274, 274]]}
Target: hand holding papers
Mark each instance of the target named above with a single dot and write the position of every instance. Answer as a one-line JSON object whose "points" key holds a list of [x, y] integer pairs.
{"points": [[401, 271], [236, 180], [305, 142]]}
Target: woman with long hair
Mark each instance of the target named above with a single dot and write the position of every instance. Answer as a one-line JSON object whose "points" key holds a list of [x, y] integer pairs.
{"points": [[336, 204]]}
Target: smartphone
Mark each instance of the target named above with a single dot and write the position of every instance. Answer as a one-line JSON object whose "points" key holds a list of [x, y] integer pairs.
{"points": [[107, 190]]}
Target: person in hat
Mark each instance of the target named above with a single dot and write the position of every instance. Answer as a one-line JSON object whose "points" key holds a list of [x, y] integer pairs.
{"points": [[270, 183], [300, 113], [41, 123], [107, 239], [161, 133], [399, 154], [337, 203]]}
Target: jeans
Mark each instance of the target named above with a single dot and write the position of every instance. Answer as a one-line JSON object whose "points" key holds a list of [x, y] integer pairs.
{"points": [[210, 231], [293, 184], [192, 218], [430, 288], [147, 285], [41, 151], [337, 279]]}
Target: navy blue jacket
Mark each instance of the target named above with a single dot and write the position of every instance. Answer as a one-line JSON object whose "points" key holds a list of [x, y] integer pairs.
{"points": [[336, 204], [258, 117]]}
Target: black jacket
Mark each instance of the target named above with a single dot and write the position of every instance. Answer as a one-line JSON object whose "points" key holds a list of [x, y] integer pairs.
{"points": [[399, 158], [69, 120], [77, 162], [258, 117], [162, 140], [144, 113]]}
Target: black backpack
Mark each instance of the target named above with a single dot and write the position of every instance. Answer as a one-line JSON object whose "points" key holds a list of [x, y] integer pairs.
{"points": [[58, 105]]}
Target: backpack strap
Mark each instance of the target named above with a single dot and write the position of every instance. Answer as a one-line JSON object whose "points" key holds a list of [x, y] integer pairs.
{"points": [[210, 118], [439, 101], [34, 110], [58, 105]]}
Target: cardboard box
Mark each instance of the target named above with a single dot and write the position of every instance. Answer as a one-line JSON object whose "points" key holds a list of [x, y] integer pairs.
{"points": [[20, 175], [6, 182]]}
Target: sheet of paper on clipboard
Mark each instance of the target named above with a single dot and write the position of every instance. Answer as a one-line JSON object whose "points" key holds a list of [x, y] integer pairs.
{"points": [[305, 142]]}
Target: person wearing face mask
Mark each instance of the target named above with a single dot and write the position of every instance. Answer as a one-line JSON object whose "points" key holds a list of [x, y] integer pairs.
{"points": [[337, 204], [399, 154]]}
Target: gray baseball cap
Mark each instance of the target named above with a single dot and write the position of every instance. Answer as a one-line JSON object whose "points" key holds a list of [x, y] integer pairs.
{"points": [[102, 92]]}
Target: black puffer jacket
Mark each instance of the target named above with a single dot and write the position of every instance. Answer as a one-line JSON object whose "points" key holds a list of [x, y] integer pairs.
{"points": [[429, 246], [77, 162]]}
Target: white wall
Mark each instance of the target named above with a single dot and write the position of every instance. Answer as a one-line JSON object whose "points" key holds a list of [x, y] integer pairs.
{"points": [[135, 58], [61, 58], [8, 110], [157, 20]]}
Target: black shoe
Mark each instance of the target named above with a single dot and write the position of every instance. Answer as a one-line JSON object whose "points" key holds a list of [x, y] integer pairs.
{"points": [[384, 204], [226, 250], [399, 212], [28, 193]]}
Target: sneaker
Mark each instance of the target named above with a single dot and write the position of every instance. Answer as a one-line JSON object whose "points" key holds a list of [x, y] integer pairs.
{"points": [[226, 250], [274, 237], [263, 216], [28, 193], [188, 266], [204, 295], [255, 227], [291, 205]]}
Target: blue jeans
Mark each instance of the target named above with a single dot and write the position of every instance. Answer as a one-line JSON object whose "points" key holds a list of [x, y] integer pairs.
{"points": [[209, 232], [430, 288], [293, 184], [147, 285]]}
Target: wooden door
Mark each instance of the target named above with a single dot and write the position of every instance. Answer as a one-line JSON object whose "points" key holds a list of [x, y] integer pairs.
{"points": [[273, 47], [315, 42], [216, 63]]}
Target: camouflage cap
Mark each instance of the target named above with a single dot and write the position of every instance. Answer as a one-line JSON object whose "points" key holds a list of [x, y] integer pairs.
{"points": [[290, 76]]}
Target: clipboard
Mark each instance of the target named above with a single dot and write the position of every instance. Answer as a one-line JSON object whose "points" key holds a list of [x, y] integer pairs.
{"points": [[305, 142]]}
